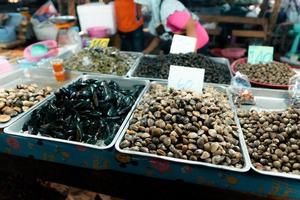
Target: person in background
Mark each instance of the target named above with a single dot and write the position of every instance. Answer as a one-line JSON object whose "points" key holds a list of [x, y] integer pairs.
{"points": [[172, 17], [129, 24]]}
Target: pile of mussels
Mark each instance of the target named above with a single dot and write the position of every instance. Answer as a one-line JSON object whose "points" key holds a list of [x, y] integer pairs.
{"points": [[104, 60], [185, 125], [158, 67], [89, 111]]}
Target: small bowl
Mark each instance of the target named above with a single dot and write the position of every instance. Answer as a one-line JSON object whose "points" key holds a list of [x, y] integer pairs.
{"points": [[98, 32]]}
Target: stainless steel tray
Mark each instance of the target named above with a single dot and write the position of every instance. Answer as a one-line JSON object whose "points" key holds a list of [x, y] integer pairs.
{"points": [[16, 128], [269, 100], [132, 73], [241, 140], [42, 77], [136, 63], [68, 54]]}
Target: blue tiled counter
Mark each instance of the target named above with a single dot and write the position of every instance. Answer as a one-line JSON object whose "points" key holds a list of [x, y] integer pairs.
{"points": [[67, 154]]}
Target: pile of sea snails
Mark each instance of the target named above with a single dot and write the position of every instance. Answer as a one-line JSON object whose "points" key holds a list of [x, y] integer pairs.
{"points": [[273, 139], [19, 99], [104, 60], [158, 67], [271, 73], [185, 125]]}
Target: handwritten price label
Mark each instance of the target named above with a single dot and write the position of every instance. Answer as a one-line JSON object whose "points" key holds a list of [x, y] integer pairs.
{"points": [[183, 44], [101, 42], [260, 54], [186, 78]]}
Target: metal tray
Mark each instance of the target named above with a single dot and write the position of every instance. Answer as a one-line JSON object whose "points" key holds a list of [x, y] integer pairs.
{"points": [[241, 140], [132, 73], [42, 77], [68, 54], [269, 100], [15, 128]]}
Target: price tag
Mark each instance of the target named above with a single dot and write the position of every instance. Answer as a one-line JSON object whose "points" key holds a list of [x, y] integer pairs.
{"points": [[99, 42], [186, 78], [183, 44], [260, 54]]}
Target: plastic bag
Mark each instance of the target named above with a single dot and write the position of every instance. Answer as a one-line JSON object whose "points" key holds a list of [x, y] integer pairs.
{"points": [[294, 90], [240, 87], [44, 30], [45, 12], [75, 40]]}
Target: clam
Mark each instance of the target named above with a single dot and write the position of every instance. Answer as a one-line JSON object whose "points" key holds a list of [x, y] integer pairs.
{"points": [[19, 99], [270, 73], [168, 114], [272, 139], [4, 118]]}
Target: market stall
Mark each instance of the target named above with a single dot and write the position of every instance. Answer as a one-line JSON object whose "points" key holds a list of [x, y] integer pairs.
{"points": [[192, 141], [76, 110]]}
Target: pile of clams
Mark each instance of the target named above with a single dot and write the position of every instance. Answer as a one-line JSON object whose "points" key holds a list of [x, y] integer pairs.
{"points": [[89, 111], [158, 67], [271, 73], [185, 125], [103, 60], [273, 139], [19, 99]]}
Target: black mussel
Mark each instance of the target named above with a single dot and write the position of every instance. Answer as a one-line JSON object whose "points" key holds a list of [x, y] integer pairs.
{"points": [[89, 111]]}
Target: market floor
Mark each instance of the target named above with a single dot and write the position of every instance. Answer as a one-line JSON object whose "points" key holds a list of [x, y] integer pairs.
{"points": [[17, 187]]}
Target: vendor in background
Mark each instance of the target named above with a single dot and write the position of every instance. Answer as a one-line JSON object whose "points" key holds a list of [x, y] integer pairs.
{"points": [[172, 17], [129, 24]]}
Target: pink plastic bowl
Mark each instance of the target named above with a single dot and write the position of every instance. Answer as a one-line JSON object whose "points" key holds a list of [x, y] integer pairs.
{"points": [[98, 32], [52, 46], [233, 52]]}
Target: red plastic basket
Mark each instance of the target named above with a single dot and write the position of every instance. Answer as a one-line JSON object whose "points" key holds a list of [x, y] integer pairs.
{"points": [[255, 83]]}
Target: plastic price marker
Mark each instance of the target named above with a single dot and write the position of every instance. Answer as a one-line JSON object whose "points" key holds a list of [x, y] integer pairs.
{"points": [[183, 44], [260, 54], [186, 78], [99, 42]]}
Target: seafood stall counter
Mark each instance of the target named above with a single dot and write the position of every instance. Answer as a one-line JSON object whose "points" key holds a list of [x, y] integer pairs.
{"points": [[51, 153]]}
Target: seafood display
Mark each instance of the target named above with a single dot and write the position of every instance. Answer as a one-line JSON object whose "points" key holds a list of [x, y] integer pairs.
{"points": [[185, 125], [158, 67], [271, 73], [89, 111], [19, 99], [273, 139], [103, 60]]}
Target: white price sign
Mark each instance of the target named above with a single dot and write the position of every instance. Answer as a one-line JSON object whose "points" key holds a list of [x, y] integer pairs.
{"points": [[187, 78], [183, 44]]}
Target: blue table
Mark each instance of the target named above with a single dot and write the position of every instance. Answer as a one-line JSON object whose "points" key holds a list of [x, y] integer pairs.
{"points": [[78, 156]]}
